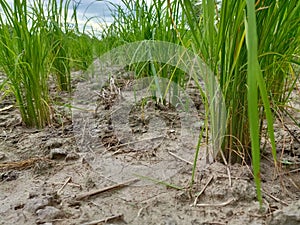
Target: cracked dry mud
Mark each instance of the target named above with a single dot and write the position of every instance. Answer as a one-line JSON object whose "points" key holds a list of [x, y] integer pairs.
{"points": [[48, 176]]}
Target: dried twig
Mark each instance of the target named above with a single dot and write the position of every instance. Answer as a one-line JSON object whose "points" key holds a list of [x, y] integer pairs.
{"points": [[95, 192], [6, 108], [232, 177], [291, 171], [70, 184], [203, 189], [293, 183], [178, 157], [228, 170], [217, 204], [95, 222], [229, 176], [22, 164], [275, 198], [286, 127], [65, 184], [133, 142]]}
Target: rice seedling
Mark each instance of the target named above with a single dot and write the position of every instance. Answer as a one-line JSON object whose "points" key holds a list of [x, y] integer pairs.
{"points": [[83, 51], [60, 41], [137, 21], [249, 48], [37, 40], [23, 57]]}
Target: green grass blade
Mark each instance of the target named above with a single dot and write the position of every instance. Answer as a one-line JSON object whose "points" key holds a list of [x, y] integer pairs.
{"points": [[154, 180], [255, 80]]}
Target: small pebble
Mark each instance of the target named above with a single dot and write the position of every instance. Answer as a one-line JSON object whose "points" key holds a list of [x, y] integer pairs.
{"points": [[58, 153], [288, 215], [72, 156], [49, 213], [9, 176], [34, 204], [54, 143], [2, 156]]}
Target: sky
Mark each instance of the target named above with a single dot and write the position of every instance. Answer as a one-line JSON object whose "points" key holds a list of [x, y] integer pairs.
{"points": [[100, 9], [88, 9], [96, 9]]}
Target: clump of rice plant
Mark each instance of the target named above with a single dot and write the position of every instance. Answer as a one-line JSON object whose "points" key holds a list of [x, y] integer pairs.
{"points": [[70, 47], [83, 51], [60, 40], [219, 35], [36, 41], [250, 48], [140, 20], [23, 57]]}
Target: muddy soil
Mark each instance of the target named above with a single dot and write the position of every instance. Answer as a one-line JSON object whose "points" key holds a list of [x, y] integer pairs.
{"points": [[83, 169]]}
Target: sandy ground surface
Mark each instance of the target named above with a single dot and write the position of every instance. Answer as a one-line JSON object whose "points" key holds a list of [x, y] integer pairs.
{"points": [[81, 170]]}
